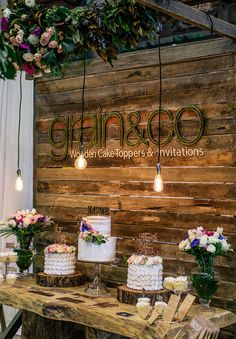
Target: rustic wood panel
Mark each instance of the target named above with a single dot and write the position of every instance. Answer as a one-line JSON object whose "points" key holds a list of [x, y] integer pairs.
{"points": [[198, 190]]}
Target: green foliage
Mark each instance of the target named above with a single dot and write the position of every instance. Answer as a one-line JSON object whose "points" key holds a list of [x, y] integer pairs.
{"points": [[53, 36]]}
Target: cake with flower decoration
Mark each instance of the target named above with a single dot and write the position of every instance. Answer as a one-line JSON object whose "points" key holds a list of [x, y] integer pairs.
{"points": [[95, 242], [59, 259], [145, 270], [59, 265]]}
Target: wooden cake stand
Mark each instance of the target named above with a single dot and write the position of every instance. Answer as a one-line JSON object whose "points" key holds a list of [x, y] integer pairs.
{"points": [[70, 280], [128, 295]]}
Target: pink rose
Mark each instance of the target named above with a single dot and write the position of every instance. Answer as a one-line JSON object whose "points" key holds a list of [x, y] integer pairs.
{"points": [[13, 41], [52, 248], [60, 49], [28, 57], [51, 30], [45, 37], [47, 70], [38, 56], [33, 220], [131, 259], [19, 39], [53, 44]]}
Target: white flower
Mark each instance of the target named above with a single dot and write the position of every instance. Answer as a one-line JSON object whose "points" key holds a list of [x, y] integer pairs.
{"points": [[203, 240], [219, 230], [60, 249], [12, 223], [216, 235], [213, 239], [211, 248], [183, 244], [33, 39], [30, 3], [225, 246], [34, 211], [7, 12], [188, 246], [27, 221], [1, 223]]}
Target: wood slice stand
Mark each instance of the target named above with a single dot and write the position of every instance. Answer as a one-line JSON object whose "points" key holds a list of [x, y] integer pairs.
{"points": [[71, 280], [128, 295]]}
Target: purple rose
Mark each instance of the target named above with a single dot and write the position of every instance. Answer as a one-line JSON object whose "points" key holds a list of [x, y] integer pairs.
{"points": [[194, 243], [24, 45], [37, 31], [4, 24]]}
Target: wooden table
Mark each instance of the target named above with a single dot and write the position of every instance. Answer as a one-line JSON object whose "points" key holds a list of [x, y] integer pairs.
{"points": [[103, 313]]}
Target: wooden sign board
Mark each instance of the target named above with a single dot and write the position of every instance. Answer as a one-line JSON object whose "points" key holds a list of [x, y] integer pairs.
{"points": [[170, 310], [185, 306]]}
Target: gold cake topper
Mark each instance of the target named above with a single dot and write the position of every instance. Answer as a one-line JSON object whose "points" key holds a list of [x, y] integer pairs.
{"points": [[60, 237], [146, 244]]}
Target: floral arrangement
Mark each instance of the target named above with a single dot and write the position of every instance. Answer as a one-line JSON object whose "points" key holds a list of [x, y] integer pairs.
{"points": [[205, 246], [24, 224], [59, 248], [144, 260], [89, 234], [40, 40]]}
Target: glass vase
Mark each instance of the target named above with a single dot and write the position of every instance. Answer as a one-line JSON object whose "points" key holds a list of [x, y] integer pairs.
{"points": [[24, 261], [205, 284]]}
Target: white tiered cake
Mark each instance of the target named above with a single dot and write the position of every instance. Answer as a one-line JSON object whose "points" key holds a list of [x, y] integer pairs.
{"points": [[59, 259], [95, 242]]}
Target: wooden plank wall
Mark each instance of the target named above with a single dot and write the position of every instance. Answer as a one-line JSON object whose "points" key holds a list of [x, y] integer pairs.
{"points": [[198, 190]]}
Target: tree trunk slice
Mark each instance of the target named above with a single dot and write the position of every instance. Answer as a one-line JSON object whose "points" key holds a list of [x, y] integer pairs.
{"points": [[70, 280], [128, 295]]}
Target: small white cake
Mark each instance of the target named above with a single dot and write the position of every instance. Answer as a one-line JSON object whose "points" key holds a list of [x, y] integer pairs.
{"points": [[95, 242], [59, 259], [145, 272]]}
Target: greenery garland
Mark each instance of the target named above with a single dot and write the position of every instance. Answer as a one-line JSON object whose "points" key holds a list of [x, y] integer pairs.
{"points": [[39, 39]]}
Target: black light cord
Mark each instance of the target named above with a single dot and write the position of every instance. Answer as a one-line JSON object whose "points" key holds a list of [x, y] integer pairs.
{"points": [[160, 100], [19, 127], [82, 111]]}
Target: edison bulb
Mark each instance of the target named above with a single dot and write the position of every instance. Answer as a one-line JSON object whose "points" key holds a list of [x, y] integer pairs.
{"points": [[80, 162], [158, 183], [19, 183]]}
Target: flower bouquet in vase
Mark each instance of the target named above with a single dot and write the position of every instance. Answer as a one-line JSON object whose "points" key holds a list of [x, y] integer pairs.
{"points": [[205, 246], [24, 224]]}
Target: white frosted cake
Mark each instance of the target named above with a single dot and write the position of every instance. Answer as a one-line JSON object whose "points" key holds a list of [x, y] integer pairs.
{"points": [[145, 272], [59, 259], [95, 242]]}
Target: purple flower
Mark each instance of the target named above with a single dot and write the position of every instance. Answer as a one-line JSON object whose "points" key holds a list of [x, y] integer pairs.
{"points": [[41, 219], [37, 31], [85, 227], [4, 24], [24, 45], [194, 243], [221, 237]]}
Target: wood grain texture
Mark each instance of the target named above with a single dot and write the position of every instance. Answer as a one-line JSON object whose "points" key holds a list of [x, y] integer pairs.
{"points": [[197, 191], [74, 306]]}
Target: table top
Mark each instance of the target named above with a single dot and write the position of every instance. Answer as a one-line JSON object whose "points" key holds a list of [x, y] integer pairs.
{"points": [[103, 312]]}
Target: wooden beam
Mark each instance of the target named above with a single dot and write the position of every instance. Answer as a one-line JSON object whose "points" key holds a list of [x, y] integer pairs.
{"points": [[192, 16]]}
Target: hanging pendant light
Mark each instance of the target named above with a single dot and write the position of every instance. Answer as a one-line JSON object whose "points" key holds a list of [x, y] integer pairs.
{"points": [[80, 161], [19, 182], [158, 182]]}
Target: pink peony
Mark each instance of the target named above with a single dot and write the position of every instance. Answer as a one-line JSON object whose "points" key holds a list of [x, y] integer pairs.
{"points": [[131, 259], [33, 220]]}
